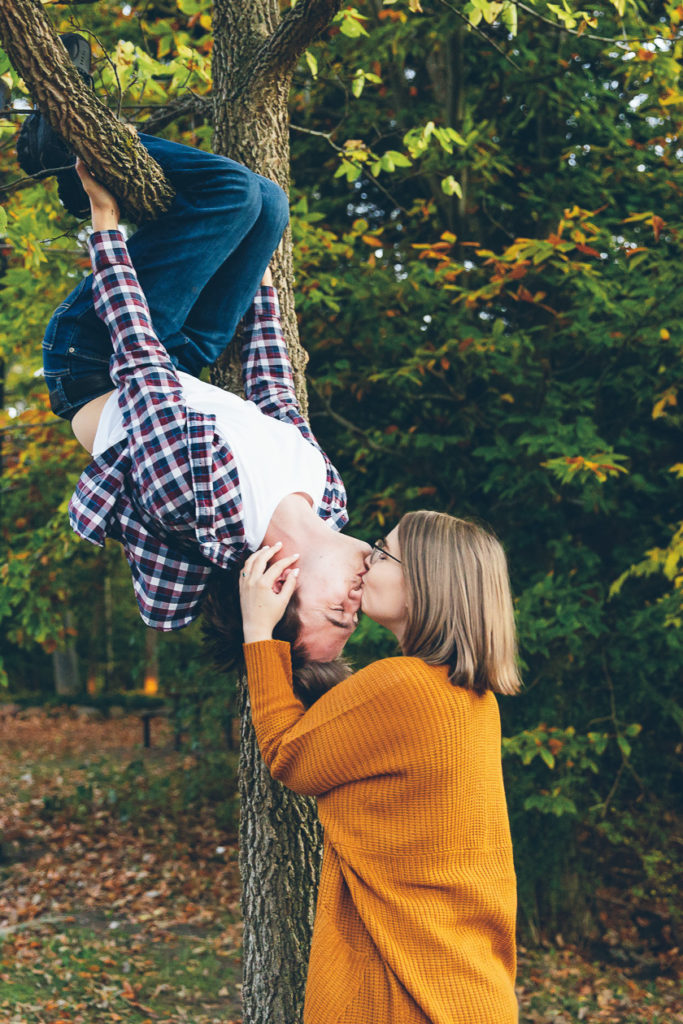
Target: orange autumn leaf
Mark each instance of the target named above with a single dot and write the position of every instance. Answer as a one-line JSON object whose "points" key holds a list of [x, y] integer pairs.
{"points": [[588, 250], [669, 398], [657, 225]]}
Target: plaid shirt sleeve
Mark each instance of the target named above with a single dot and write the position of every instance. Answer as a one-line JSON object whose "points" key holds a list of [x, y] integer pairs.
{"points": [[269, 383], [149, 392], [266, 367]]}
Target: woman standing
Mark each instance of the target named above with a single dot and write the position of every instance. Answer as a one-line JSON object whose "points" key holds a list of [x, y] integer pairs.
{"points": [[416, 908]]}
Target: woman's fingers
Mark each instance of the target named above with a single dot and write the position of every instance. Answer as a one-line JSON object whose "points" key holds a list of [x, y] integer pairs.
{"points": [[257, 567], [289, 586], [266, 587], [276, 570], [261, 556]]}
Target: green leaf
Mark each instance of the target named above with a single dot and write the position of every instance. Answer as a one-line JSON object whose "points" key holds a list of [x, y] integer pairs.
{"points": [[509, 17], [456, 136], [566, 16], [474, 15], [398, 159], [358, 83], [312, 62], [349, 170], [547, 756], [351, 23], [444, 139], [624, 745], [3, 220], [451, 187]]}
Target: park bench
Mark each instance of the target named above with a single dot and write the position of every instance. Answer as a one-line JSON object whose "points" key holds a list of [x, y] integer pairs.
{"points": [[146, 716], [195, 697]]}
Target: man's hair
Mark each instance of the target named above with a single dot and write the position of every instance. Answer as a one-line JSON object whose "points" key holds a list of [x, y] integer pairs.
{"points": [[459, 603], [222, 631]]}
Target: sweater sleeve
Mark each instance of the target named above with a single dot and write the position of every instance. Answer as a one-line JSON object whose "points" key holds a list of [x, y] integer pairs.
{"points": [[365, 726]]}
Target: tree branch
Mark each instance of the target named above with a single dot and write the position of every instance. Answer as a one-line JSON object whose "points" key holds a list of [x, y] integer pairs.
{"points": [[189, 104], [586, 35], [296, 31], [487, 38], [352, 427], [371, 180], [113, 154]]}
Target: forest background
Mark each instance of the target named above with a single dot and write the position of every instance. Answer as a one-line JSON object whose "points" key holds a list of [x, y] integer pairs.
{"points": [[486, 214]]}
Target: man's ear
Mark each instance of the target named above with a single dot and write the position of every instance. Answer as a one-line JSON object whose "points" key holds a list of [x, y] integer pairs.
{"points": [[279, 582]]}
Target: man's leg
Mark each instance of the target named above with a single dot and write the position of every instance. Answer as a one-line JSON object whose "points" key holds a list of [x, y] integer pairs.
{"points": [[219, 215], [217, 204], [227, 296]]}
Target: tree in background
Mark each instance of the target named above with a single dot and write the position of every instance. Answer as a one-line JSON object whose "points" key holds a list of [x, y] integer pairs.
{"points": [[486, 222]]}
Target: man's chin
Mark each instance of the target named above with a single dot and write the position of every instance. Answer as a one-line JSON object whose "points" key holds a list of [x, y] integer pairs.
{"points": [[318, 648]]}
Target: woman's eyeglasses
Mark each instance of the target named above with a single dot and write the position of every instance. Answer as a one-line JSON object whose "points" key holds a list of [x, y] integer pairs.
{"points": [[378, 550]]}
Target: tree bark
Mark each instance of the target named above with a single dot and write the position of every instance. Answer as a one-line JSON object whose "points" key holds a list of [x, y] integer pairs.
{"points": [[151, 661], [108, 623], [112, 153], [65, 664], [280, 836]]}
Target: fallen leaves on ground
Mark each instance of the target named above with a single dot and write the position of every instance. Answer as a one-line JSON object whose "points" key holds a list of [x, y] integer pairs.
{"points": [[105, 922], [558, 986]]}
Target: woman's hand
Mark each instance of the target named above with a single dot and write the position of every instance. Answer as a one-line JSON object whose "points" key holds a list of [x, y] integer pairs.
{"points": [[265, 591], [103, 207]]}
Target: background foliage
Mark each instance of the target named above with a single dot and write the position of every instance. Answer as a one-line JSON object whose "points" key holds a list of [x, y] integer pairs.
{"points": [[486, 207]]}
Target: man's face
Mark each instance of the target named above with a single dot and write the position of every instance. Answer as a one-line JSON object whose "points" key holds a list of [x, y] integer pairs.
{"points": [[329, 592]]}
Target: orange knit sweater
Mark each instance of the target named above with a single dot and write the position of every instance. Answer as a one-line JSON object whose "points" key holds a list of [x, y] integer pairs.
{"points": [[416, 908]]}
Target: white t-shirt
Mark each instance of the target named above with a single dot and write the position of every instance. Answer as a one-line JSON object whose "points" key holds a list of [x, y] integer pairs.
{"points": [[273, 458]]}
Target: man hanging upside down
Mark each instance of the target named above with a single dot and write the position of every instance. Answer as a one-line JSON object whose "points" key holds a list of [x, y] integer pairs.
{"points": [[188, 477]]}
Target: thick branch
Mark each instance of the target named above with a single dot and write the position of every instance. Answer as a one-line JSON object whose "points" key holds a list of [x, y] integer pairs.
{"points": [[296, 31], [115, 157]]}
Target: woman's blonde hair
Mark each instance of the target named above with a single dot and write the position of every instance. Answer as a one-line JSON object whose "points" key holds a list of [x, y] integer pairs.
{"points": [[459, 603]]}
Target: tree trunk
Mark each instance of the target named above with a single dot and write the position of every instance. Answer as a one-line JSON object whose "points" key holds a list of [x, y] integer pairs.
{"points": [[280, 837], [251, 124], [151, 685], [65, 664], [108, 623]]}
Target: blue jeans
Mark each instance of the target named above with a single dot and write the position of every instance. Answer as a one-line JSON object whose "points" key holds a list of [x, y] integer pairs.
{"points": [[199, 266]]}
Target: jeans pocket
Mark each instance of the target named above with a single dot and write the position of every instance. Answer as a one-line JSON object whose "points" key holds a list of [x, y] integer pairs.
{"points": [[59, 403]]}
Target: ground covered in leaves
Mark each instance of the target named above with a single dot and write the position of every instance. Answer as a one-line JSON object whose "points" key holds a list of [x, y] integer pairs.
{"points": [[119, 902]]}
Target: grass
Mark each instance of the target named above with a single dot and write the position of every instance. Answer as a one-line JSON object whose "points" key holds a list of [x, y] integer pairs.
{"points": [[84, 973]]}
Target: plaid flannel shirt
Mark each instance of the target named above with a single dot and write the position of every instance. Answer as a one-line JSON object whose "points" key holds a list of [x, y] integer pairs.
{"points": [[170, 492]]}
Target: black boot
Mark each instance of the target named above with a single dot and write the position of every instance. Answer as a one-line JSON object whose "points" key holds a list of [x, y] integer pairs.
{"points": [[41, 150]]}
